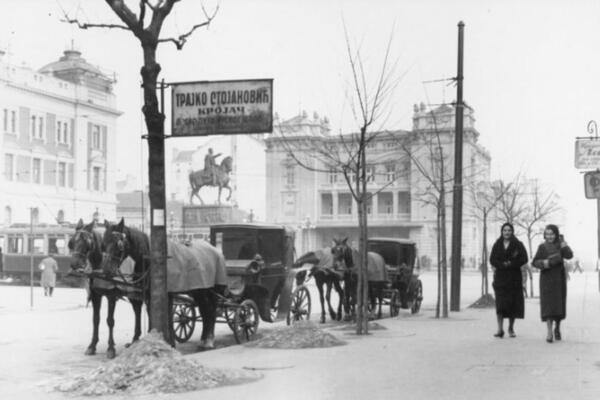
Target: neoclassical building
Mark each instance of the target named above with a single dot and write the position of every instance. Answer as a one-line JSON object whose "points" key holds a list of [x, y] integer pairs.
{"points": [[57, 141], [319, 204]]}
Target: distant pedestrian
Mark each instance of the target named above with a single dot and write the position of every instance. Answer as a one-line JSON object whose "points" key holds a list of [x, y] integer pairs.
{"points": [[507, 256], [549, 259], [49, 268], [526, 275], [577, 266]]}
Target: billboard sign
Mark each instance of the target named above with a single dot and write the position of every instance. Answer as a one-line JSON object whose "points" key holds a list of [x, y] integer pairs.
{"points": [[587, 153], [222, 107]]}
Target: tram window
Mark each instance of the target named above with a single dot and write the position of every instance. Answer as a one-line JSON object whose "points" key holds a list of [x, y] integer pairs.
{"points": [[36, 245], [53, 245], [15, 245]]}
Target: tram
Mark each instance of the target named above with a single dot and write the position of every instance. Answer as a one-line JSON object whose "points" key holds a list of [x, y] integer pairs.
{"points": [[24, 246]]}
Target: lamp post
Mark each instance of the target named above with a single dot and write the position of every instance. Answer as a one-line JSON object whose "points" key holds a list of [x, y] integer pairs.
{"points": [[304, 226]]}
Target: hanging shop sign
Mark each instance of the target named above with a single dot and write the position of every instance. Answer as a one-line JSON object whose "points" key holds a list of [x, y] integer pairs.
{"points": [[222, 107], [587, 153]]}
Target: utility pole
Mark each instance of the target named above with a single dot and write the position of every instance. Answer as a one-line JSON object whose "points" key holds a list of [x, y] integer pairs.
{"points": [[457, 197]]}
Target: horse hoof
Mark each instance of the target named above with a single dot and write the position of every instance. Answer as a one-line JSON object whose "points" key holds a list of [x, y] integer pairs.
{"points": [[90, 351], [110, 354]]}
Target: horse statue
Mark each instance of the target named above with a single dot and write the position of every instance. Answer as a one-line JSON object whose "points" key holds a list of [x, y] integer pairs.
{"points": [[325, 275], [377, 275], [204, 177], [86, 256], [197, 270]]}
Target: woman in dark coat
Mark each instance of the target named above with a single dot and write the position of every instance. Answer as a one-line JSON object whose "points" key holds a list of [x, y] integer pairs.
{"points": [[553, 279], [507, 256]]}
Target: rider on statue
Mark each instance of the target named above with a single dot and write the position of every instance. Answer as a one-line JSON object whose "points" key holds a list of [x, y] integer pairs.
{"points": [[210, 165]]}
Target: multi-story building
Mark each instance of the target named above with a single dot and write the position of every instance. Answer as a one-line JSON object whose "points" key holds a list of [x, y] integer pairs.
{"points": [[57, 141], [400, 165]]}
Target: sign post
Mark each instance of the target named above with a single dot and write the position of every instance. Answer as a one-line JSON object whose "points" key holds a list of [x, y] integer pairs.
{"points": [[587, 156]]}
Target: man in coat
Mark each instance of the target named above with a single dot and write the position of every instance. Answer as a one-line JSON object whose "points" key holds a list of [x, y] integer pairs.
{"points": [[49, 268]]}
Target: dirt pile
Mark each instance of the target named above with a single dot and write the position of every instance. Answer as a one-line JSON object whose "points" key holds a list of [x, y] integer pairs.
{"points": [[485, 301], [300, 335], [152, 366]]}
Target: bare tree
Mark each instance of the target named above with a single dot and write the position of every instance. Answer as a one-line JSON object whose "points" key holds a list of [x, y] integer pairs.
{"points": [[538, 207], [510, 206], [146, 27], [347, 154], [428, 147], [485, 197]]}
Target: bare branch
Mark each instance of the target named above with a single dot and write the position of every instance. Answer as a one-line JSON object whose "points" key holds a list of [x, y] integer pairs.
{"points": [[182, 39], [86, 25]]}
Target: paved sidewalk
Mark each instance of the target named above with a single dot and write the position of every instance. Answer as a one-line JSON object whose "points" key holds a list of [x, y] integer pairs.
{"points": [[417, 356]]}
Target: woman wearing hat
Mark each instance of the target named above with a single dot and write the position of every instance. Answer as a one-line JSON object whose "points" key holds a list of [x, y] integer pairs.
{"points": [[507, 256], [549, 259]]}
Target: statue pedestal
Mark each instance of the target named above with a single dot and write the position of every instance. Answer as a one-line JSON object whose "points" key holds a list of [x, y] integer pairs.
{"points": [[197, 216]]}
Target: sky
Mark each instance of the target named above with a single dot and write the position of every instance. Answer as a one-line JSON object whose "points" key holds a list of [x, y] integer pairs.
{"points": [[530, 70]]}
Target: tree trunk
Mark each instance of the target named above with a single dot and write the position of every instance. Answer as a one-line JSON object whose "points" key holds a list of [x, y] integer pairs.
{"points": [[363, 316], [444, 254], [484, 260], [439, 265], [156, 172]]}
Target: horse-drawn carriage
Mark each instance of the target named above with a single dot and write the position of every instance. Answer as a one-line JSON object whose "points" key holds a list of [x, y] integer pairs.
{"points": [[406, 289], [260, 282]]}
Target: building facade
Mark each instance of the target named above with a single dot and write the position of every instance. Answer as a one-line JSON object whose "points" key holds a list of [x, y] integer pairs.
{"points": [[401, 166], [58, 128]]}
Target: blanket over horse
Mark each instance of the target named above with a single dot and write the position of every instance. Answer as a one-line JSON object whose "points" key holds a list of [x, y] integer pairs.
{"points": [[195, 266]]}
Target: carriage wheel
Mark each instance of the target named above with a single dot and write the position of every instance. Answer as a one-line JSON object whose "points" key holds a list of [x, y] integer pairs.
{"points": [[229, 314], [394, 303], [245, 321], [184, 321], [300, 307], [416, 306]]}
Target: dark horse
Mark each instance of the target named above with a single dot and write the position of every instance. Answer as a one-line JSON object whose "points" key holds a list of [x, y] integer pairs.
{"points": [[377, 275], [202, 178], [121, 241], [86, 256], [325, 275]]}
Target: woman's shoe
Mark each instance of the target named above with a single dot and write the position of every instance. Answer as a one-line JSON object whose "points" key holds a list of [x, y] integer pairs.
{"points": [[499, 334], [557, 334], [511, 333], [549, 339]]}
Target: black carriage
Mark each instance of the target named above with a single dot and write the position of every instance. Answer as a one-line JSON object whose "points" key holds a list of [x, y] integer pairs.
{"points": [[401, 259], [259, 258]]}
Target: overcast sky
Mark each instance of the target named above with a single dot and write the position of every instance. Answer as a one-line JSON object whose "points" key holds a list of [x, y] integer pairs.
{"points": [[531, 69]]}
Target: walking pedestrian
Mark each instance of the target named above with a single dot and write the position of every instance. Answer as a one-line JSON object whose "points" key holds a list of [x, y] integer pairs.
{"points": [[549, 259], [507, 256], [49, 267]]}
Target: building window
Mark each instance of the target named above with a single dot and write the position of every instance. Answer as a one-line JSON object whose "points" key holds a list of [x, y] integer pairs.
{"points": [[62, 174], [326, 204], [9, 162], [404, 202], [290, 176], [37, 127], [96, 178], [13, 121], [35, 216], [344, 204], [370, 172], [36, 169], [96, 137], [333, 176], [60, 216], [385, 203], [390, 172], [62, 132], [9, 118]]}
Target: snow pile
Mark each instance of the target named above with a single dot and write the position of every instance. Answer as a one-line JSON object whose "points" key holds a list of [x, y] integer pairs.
{"points": [[485, 301], [152, 366], [300, 335]]}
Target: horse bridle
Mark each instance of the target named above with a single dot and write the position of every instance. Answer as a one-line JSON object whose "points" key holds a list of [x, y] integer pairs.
{"points": [[87, 238], [120, 241]]}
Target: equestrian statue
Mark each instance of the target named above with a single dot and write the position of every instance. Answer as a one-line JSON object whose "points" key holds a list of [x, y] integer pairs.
{"points": [[211, 175]]}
